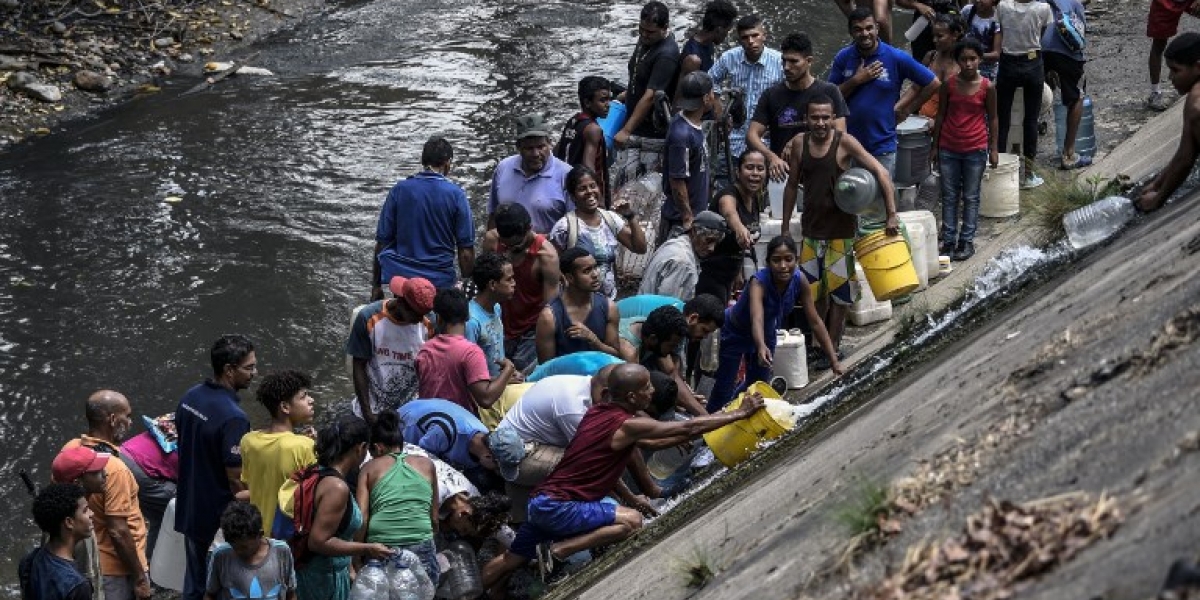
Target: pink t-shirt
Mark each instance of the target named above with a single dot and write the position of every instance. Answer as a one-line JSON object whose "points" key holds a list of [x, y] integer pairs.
{"points": [[145, 451], [447, 365]]}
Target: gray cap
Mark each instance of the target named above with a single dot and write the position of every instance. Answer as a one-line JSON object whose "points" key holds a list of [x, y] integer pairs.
{"points": [[707, 219], [532, 125], [692, 90]]}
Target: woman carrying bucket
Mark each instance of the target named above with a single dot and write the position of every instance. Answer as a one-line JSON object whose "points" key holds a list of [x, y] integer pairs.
{"points": [[751, 324], [965, 134]]}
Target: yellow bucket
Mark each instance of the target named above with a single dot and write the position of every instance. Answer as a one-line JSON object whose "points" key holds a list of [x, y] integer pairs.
{"points": [[736, 441], [887, 263]]}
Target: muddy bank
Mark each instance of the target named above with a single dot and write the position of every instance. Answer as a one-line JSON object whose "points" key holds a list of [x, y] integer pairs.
{"points": [[63, 61]]}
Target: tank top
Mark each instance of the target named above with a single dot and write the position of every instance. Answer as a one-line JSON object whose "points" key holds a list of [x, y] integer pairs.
{"points": [[570, 150], [596, 321], [590, 468], [776, 306], [964, 127], [822, 219], [400, 506], [728, 245], [520, 313]]}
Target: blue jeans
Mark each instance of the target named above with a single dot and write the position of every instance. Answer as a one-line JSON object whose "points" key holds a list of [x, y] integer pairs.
{"points": [[735, 348], [962, 173]]}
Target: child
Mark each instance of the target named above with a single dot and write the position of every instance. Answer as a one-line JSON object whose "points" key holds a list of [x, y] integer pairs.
{"points": [[494, 283], [247, 564], [947, 31], [750, 324], [270, 455], [61, 511], [1183, 63], [1021, 25], [964, 131], [980, 18], [450, 367]]}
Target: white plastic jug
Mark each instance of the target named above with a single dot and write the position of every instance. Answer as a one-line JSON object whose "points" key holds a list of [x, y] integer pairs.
{"points": [[170, 557], [866, 309], [791, 362], [929, 253]]}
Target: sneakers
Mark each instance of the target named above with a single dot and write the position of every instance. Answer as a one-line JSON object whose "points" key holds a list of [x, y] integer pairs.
{"points": [[946, 249], [1075, 161], [1031, 181], [1156, 102], [964, 251], [550, 568]]}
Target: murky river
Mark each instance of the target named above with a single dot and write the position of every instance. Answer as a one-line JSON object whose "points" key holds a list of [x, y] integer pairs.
{"points": [[104, 282]]}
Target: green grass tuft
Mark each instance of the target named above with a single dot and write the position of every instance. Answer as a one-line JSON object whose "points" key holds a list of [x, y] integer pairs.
{"points": [[861, 513], [1062, 194]]}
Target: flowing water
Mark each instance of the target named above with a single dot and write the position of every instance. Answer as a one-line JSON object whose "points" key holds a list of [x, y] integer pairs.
{"points": [[131, 242]]}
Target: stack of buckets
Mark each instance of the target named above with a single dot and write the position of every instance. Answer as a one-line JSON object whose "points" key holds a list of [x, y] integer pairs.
{"points": [[887, 263]]}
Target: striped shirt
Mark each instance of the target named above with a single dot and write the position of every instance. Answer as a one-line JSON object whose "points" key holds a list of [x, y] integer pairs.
{"points": [[753, 77]]}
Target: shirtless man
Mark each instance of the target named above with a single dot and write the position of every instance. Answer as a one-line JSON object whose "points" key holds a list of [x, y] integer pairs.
{"points": [[1183, 64]]}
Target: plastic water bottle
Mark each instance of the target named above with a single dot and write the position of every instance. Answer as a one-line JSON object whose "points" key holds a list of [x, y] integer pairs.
{"points": [[462, 580], [408, 578], [1097, 221], [857, 192], [1085, 138], [371, 584]]}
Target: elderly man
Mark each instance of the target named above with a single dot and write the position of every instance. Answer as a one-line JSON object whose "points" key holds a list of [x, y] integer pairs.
{"points": [[532, 177], [674, 268], [425, 221]]}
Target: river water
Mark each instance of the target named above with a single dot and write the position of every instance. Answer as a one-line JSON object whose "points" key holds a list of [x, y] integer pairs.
{"points": [[131, 242]]}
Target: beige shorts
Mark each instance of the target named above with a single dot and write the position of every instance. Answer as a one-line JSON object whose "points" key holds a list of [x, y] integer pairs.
{"points": [[532, 470]]}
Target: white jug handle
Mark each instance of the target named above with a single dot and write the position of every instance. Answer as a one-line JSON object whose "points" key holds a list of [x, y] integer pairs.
{"points": [[781, 336]]}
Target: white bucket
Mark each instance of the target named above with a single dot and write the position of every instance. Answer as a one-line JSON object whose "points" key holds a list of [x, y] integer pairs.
{"points": [[770, 228], [1000, 194], [775, 193], [170, 556], [867, 309], [791, 360], [916, 248], [930, 251], [1016, 135]]}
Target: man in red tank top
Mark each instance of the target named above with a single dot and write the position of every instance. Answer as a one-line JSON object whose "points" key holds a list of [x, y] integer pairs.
{"points": [[535, 269], [570, 510]]}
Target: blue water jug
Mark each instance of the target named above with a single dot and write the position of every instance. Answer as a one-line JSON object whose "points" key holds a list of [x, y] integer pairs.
{"points": [[1085, 138], [613, 122]]}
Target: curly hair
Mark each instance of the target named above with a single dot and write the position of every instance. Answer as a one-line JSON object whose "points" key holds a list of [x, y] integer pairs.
{"points": [[54, 504], [241, 521], [490, 512], [666, 393], [664, 322], [489, 267], [279, 387]]}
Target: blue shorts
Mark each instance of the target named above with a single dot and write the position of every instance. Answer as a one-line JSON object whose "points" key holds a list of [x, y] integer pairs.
{"points": [[551, 520]]}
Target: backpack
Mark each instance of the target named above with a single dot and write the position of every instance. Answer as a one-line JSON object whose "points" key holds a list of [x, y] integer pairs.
{"points": [[1069, 31], [299, 493], [564, 141], [573, 226]]}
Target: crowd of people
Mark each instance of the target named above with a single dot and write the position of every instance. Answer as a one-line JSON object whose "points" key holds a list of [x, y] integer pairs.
{"points": [[509, 396]]}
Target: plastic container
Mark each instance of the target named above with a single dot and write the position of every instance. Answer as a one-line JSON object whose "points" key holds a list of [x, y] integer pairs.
{"points": [[1016, 134], [462, 579], [775, 195], [663, 463], [887, 264], [906, 197], [170, 553], [770, 228], [1000, 192], [867, 309], [914, 142], [791, 361], [915, 235], [1085, 138], [371, 583], [929, 249], [929, 194], [736, 441], [858, 193], [613, 122], [1092, 223]]}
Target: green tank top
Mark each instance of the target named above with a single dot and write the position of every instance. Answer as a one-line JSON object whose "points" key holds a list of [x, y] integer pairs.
{"points": [[400, 506]]}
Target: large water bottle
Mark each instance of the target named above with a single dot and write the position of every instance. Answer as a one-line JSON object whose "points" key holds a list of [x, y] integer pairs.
{"points": [[1085, 138], [1097, 221], [462, 579], [857, 193], [371, 583], [408, 578]]}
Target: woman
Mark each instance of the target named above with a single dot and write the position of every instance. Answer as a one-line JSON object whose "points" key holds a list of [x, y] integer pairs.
{"points": [[326, 576], [597, 230], [398, 495], [740, 204]]}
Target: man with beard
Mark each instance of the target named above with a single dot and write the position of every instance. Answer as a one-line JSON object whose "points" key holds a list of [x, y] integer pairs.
{"points": [[120, 529], [532, 177], [210, 425], [580, 318]]}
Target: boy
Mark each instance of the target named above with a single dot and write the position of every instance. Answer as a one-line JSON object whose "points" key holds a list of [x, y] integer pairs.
{"points": [[450, 367], [582, 141], [494, 283], [270, 455], [247, 564], [1183, 63], [48, 573], [665, 329]]}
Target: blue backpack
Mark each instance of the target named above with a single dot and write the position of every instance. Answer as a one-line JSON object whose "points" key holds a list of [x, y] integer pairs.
{"points": [[1069, 31]]}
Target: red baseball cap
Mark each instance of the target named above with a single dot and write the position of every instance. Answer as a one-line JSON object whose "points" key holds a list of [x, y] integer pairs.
{"points": [[73, 463], [417, 292]]}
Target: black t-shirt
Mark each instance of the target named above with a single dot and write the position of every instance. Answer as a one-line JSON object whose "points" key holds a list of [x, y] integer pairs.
{"points": [[784, 111], [653, 68]]}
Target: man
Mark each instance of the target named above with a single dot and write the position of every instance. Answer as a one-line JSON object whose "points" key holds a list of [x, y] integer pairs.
{"points": [[451, 367], [662, 335], [532, 177], [782, 111], [450, 433], [674, 268], [383, 344], [882, 9], [569, 507], [270, 455], [582, 141], [425, 220], [63, 514], [819, 157], [580, 318], [1183, 64], [870, 75], [653, 69], [494, 283], [1066, 65], [699, 51], [84, 467], [752, 67], [211, 424], [156, 472], [1162, 23], [685, 168], [120, 527], [535, 270]]}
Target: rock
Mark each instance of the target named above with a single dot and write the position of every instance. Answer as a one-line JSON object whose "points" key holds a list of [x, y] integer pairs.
{"points": [[44, 92], [165, 42], [58, 27], [91, 81], [18, 81], [186, 58], [8, 63]]}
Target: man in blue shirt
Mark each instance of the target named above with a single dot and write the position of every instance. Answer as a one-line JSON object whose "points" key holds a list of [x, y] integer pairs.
{"points": [[210, 425], [533, 177], [685, 168], [870, 75], [425, 220], [451, 433], [61, 511], [1067, 65]]}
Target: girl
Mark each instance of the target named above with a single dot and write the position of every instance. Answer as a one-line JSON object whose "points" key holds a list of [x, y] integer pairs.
{"points": [[340, 447], [751, 323], [398, 495], [965, 134], [947, 31], [740, 204], [597, 230], [980, 18]]}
